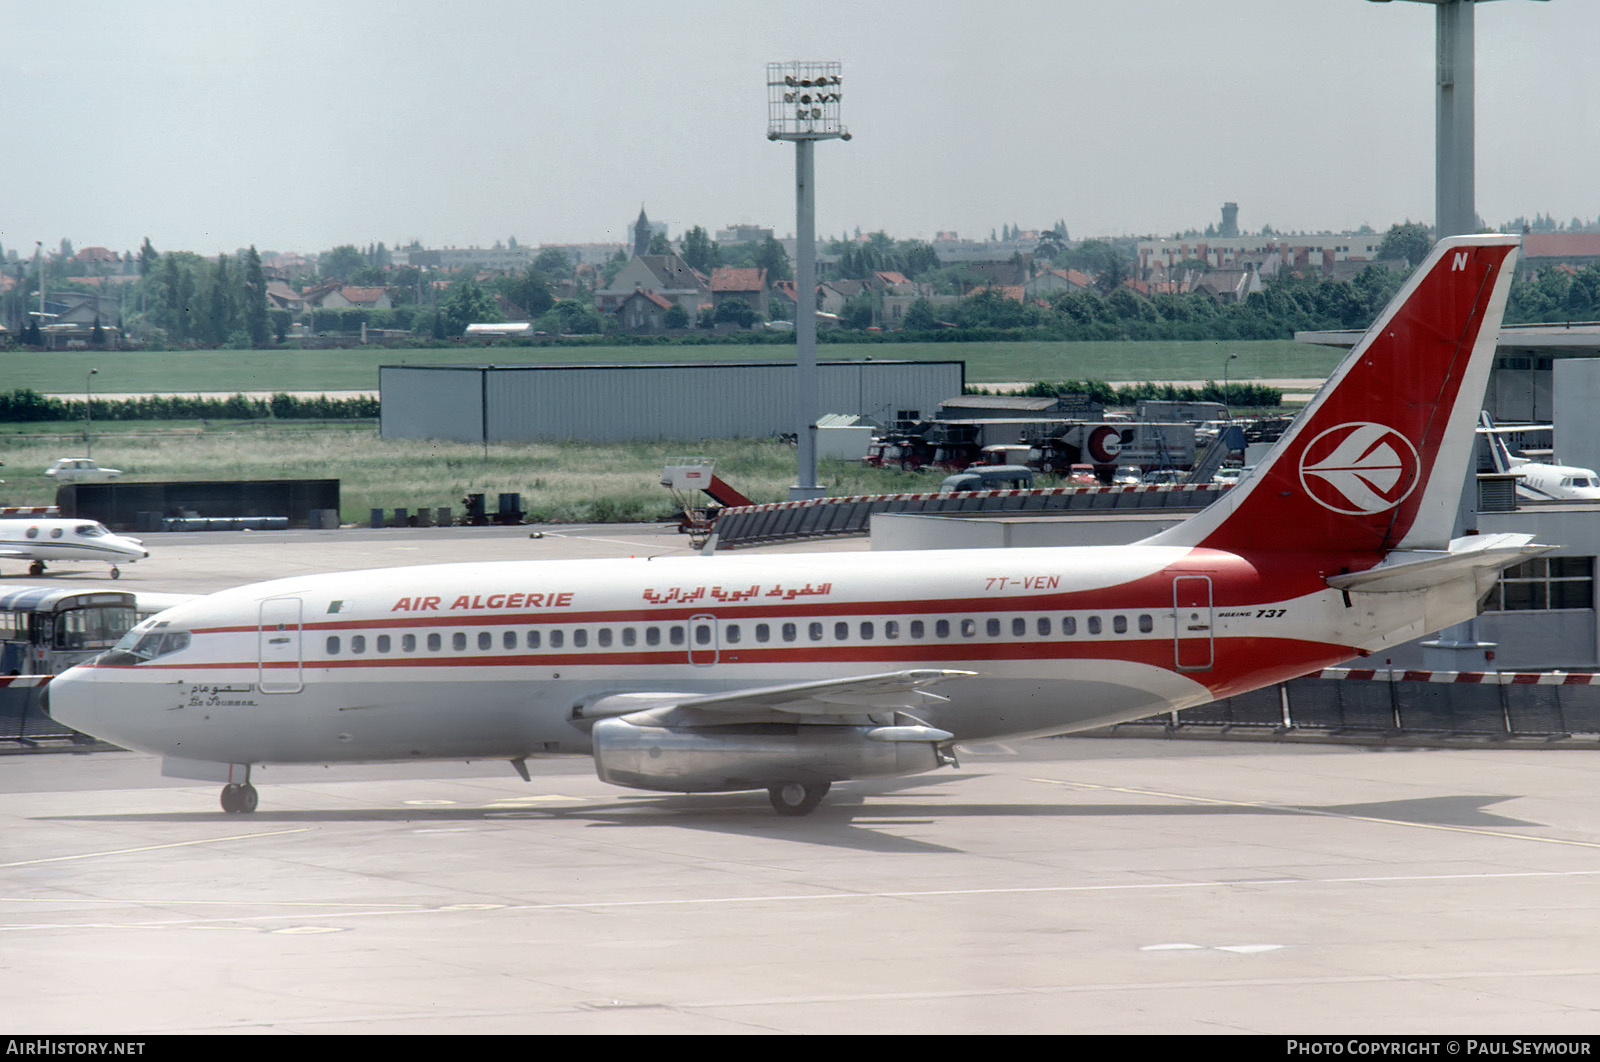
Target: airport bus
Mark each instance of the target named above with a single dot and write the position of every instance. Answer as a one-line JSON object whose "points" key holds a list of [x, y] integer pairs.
{"points": [[45, 630]]}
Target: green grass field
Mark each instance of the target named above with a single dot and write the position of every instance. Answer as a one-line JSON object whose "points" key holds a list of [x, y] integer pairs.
{"points": [[228, 371], [558, 483]]}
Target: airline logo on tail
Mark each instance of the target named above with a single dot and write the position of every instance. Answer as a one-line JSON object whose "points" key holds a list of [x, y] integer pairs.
{"points": [[1359, 469]]}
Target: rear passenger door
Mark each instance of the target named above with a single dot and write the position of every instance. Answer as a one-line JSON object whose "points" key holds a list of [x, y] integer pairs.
{"points": [[1193, 646]]}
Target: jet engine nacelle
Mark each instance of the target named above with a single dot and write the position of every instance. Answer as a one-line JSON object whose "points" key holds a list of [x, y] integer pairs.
{"points": [[759, 755]]}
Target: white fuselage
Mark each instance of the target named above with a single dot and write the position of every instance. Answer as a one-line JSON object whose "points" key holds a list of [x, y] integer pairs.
{"points": [[36, 539], [499, 660]]}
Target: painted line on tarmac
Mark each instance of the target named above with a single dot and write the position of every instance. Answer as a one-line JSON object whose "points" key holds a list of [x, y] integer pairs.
{"points": [[366, 910], [152, 847], [632, 543]]}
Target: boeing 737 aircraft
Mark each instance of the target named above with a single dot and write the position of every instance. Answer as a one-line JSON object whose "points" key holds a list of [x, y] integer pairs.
{"points": [[38, 541], [789, 673], [1537, 481]]}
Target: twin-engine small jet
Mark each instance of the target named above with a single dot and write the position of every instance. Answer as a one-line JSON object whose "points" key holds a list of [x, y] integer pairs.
{"points": [[1536, 480], [36, 540], [790, 673]]}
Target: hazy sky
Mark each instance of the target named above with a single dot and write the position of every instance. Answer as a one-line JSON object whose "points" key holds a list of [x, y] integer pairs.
{"points": [[302, 125]]}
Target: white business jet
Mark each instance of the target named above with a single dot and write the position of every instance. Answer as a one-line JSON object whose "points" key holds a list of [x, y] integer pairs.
{"points": [[790, 673], [36, 540], [1537, 481]]}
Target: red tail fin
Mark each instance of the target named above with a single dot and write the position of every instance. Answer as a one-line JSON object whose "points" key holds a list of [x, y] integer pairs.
{"points": [[1377, 460]]}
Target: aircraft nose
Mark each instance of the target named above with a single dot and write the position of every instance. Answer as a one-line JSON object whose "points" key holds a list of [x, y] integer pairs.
{"points": [[65, 699]]}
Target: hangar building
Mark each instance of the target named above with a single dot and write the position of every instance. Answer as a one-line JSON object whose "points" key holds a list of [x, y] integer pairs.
{"points": [[616, 403]]}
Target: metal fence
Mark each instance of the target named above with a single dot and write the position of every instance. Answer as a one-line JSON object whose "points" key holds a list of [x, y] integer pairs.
{"points": [[23, 722], [1419, 704]]}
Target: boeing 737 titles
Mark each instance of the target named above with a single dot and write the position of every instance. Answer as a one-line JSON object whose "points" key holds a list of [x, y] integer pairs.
{"points": [[789, 673], [39, 540]]}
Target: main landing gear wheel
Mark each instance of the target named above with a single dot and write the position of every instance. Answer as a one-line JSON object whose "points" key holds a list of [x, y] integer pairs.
{"points": [[36, 568], [239, 799], [116, 573], [797, 798]]}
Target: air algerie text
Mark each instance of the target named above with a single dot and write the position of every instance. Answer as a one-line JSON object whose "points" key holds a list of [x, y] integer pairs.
{"points": [[483, 601]]}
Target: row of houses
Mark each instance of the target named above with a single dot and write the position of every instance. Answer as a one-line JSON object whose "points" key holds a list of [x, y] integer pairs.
{"points": [[644, 290]]}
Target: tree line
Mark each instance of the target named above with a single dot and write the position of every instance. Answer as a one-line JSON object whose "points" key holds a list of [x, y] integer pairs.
{"points": [[183, 300], [26, 404]]}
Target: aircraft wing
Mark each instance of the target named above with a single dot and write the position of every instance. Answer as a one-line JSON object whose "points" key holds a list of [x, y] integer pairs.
{"points": [[16, 554], [825, 701]]}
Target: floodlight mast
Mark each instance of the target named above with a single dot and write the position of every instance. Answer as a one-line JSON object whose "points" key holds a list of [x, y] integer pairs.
{"points": [[803, 106], [1454, 194]]}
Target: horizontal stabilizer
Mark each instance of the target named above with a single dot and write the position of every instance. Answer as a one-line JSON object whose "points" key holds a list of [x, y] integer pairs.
{"points": [[1421, 569]]}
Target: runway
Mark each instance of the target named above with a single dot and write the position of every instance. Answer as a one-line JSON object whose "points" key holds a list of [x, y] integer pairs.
{"points": [[1060, 886]]}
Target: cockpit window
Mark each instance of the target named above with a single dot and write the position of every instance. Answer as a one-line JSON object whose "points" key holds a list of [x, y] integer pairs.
{"points": [[146, 642], [91, 530]]}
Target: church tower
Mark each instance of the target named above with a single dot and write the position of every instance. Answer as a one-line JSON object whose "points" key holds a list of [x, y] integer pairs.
{"points": [[641, 233]]}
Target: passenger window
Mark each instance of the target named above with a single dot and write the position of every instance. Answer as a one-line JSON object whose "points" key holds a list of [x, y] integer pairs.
{"points": [[358, 643], [580, 638], [814, 631], [630, 636], [730, 634], [652, 636], [408, 643], [1069, 625], [866, 631], [841, 632], [675, 635], [435, 643], [485, 640], [788, 632], [383, 643], [458, 641], [532, 640], [1119, 624], [891, 629], [992, 627], [969, 627], [557, 639], [702, 634], [603, 636], [1094, 624], [917, 629], [1019, 627], [941, 628], [763, 632], [509, 639], [1146, 624], [1044, 626], [333, 645]]}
